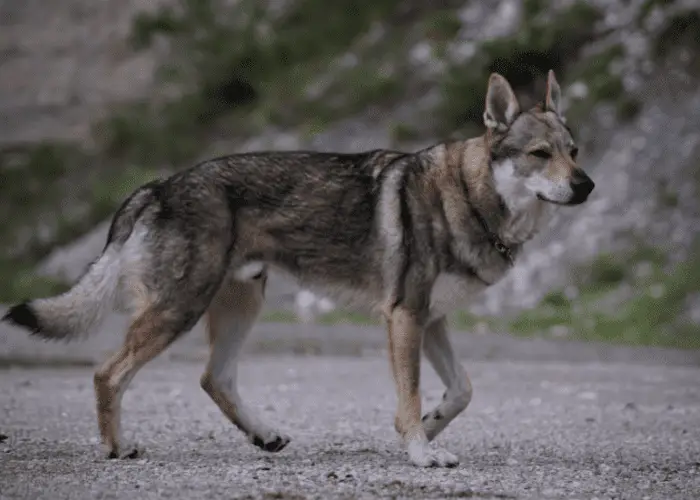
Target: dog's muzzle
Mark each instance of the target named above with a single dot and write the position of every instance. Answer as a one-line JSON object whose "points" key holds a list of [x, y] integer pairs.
{"points": [[581, 187]]}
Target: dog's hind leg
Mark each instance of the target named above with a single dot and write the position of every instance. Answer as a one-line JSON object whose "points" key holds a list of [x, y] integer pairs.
{"points": [[169, 289], [149, 335], [230, 318], [438, 350]]}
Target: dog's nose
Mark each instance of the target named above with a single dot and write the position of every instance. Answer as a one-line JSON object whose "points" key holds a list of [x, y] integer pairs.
{"points": [[581, 184]]}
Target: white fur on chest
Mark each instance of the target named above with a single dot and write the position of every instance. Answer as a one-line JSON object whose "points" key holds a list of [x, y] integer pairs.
{"points": [[451, 292]]}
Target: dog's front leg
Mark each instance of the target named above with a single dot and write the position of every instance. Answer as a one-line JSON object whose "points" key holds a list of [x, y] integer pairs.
{"points": [[458, 394], [405, 338]]}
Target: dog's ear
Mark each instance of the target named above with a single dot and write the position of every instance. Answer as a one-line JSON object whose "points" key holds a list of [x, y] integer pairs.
{"points": [[553, 100], [501, 104]]}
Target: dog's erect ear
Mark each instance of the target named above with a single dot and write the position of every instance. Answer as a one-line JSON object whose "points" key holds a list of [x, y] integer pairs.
{"points": [[553, 100], [501, 104]]}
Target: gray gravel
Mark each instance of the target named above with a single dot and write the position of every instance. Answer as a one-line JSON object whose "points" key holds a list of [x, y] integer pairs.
{"points": [[534, 430]]}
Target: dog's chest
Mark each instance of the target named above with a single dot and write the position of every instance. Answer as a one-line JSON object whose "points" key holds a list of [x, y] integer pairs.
{"points": [[452, 291]]}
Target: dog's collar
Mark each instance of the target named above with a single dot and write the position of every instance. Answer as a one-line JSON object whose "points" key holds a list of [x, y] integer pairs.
{"points": [[495, 240]]}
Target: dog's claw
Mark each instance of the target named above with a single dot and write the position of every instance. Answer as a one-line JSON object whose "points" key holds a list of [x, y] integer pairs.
{"points": [[273, 446]]}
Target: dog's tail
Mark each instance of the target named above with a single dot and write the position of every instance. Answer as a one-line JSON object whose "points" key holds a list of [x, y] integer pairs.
{"points": [[79, 311]]}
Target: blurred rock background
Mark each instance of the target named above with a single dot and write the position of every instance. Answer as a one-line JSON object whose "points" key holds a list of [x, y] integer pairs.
{"points": [[97, 97]]}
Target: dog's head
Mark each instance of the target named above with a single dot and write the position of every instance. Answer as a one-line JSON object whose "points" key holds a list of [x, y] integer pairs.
{"points": [[533, 152]]}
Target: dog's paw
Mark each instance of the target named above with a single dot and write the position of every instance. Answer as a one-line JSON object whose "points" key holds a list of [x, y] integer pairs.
{"points": [[423, 455], [132, 454], [271, 443], [129, 454]]}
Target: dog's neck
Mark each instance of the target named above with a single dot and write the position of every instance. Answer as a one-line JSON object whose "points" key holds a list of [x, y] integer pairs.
{"points": [[511, 211], [526, 214]]}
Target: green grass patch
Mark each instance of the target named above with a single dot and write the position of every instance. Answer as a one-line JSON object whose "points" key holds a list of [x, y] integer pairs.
{"points": [[342, 317], [651, 313], [337, 317], [279, 316]]}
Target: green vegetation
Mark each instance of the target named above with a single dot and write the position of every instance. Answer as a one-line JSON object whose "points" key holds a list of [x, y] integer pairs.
{"points": [[628, 298], [402, 132], [539, 44], [680, 30], [279, 316], [441, 25], [246, 60], [337, 317], [648, 6], [524, 58], [348, 318], [603, 85], [20, 282], [35, 181]]}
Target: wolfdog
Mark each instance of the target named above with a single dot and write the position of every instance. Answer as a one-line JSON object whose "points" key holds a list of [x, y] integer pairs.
{"points": [[412, 235]]}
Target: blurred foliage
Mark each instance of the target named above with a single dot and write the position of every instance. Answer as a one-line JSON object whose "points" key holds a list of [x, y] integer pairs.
{"points": [[241, 59], [35, 181], [634, 298], [680, 30], [539, 44]]}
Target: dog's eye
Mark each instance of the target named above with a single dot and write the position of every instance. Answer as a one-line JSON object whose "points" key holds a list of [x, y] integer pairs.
{"points": [[541, 153], [574, 153]]}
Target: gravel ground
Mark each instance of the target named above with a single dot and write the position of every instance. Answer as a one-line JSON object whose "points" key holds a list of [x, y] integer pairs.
{"points": [[534, 430]]}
